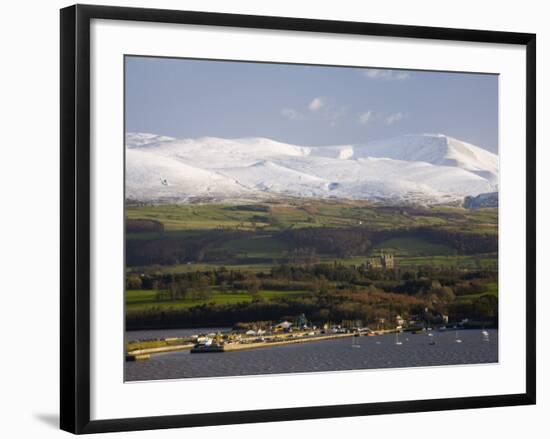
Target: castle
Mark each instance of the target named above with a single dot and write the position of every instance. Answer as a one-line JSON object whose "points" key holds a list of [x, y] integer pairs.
{"points": [[384, 261]]}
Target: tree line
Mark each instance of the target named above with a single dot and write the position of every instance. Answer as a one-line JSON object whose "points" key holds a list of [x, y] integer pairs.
{"points": [[332, 292]]}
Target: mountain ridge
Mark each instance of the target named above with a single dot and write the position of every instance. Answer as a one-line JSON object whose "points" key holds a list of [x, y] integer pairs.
{"points": [[424, 168]]}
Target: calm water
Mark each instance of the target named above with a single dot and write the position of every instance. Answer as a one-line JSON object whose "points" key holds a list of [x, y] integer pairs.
{"points": [[373, 353]]}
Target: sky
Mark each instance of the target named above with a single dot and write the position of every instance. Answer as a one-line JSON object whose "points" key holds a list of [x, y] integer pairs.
{"points": [[306, 104]]}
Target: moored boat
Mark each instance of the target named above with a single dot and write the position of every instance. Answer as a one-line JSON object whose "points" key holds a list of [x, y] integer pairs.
{"points": [[200, 348], [206, 346]]}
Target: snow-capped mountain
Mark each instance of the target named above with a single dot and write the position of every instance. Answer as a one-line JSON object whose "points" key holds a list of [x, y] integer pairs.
{"points": [[436, 149], [427, 168]]}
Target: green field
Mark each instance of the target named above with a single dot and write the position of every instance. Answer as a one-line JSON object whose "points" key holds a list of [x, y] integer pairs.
{"points": [[202, 267], [403, 247], [292, 214], [484, 261], [146, 299], [492, 290], [253, 236], [481, 261]]}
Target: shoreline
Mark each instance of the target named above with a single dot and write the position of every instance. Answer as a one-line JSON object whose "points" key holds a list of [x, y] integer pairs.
{"points": [[184, 343], [143, 354]]}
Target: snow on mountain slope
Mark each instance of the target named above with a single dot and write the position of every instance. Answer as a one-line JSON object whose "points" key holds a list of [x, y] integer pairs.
{"points": [[420, 168], [211, 152], [135, 140], [436, 149], [343, 152], [388, 178], [270, 177], [150, 177]]}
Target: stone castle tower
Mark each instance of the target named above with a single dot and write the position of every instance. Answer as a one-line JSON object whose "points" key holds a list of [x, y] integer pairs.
{"points": [[384, 261], [387, 260]]}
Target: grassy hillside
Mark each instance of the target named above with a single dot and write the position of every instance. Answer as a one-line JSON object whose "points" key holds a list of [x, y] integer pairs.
{"points": [[220, 263], [255, 235], [411, 246], [139, 300], [293, 214]]}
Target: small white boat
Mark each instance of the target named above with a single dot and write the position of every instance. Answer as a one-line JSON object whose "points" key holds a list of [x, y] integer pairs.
{"points": [[397, 342]]}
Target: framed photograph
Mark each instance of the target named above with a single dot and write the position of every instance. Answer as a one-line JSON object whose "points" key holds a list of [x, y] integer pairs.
{"points": [[268, 219]]}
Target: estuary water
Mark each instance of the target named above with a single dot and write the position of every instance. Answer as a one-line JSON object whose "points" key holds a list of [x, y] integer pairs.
{"points": [[328, 355]]}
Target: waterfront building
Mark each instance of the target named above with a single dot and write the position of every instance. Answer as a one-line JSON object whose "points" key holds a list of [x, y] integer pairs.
{"points": [[282, 326], [399, 321]]}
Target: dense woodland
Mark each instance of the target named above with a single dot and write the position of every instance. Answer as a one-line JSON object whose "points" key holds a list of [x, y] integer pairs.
{"points": [[332, 293]]}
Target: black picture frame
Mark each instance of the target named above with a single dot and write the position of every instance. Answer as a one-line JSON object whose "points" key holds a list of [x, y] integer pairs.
{"points": [[75, 217]]}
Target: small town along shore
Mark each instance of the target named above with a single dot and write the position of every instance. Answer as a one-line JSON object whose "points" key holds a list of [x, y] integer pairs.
{"points": [[282, 334]]}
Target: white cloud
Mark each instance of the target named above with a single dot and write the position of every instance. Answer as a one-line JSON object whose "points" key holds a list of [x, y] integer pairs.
{"points": [[400, 76], [388, 75], [366, 117], [377, 74], [291, 113], [316, 104], [393, 118]]}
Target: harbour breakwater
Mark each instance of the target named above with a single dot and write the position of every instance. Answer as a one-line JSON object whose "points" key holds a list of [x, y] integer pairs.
{"points": [[245, 344]]}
